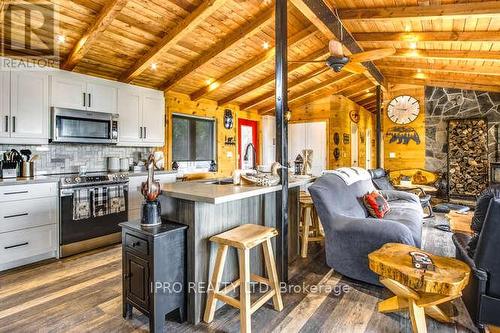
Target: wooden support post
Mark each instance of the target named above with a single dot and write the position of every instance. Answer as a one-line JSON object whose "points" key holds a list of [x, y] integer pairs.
{"points": [[378, 135], [281, 101]]}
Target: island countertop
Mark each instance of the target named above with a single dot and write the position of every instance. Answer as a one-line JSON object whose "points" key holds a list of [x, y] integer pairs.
{"points": [[216, 194]]}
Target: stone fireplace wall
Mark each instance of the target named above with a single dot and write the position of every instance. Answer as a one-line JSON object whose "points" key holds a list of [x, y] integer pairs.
{"points": [[443, 104]]}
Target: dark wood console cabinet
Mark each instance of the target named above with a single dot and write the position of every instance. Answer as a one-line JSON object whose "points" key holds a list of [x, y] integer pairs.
{"points": [[154, 271]]}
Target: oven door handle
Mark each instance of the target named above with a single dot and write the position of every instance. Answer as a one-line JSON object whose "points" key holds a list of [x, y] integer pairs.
{"points": [[66, 193]]}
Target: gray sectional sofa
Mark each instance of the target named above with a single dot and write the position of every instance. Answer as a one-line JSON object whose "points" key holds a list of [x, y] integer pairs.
{"points": [[351, 234]]}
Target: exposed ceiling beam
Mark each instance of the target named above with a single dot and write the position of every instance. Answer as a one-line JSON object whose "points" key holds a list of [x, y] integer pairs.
{"points": [[262, 98], [459, 77], [430, 36], [359, 89], [107, 14], [455, 10], [441, 81], [228, 42], [270, 78], [336, 91], [448, 54], [325, 20], [186, 26], [439, 67], [259, 59], [337, 80], [364, 99]]}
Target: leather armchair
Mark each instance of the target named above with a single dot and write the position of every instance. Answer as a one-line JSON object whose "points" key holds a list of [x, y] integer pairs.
{"points": [[482, 295], [380, 179]]}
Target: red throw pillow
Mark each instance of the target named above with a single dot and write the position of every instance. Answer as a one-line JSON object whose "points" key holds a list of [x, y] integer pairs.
{"points": [[376, 204]]}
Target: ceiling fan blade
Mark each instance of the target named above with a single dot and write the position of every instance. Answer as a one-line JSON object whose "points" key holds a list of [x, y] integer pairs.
{"points": [[335, 48], [354, 67], [372, 55]]}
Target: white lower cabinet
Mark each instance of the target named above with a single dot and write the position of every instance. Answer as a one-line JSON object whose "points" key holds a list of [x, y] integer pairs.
{"points": [[28, 224]]}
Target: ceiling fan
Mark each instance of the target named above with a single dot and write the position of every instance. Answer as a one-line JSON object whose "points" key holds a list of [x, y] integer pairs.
{"points": [[337, 61]]}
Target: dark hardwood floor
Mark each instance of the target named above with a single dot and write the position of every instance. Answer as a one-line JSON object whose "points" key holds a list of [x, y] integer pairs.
{"points": [[83, 294]]}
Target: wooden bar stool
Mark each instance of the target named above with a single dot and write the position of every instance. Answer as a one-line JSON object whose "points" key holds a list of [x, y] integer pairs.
{"points": [[244, 238], [309, 229]]}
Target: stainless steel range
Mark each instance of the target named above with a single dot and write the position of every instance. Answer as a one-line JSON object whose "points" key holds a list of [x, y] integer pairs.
{"points": [[91, 207]]}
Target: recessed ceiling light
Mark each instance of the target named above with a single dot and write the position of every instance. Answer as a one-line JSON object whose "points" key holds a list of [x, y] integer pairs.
{"points": [[408, 28], [60, 39], [213, 85], [154, 66], [413, 45], [209, 81], [367, 90], [419, 70], [265, 45]]}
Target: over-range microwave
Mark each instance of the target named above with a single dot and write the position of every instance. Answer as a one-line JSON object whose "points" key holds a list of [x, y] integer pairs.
{"points": [[78, 126]]}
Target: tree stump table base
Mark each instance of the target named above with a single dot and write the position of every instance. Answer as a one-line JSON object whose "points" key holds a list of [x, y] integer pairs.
{"points": [[418, 291]]}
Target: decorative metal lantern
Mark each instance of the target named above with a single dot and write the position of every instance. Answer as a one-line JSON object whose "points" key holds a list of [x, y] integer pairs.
{"points": [[299, 164]]}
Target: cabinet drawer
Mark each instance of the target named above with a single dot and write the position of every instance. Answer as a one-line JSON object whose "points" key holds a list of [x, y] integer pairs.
{"points": [[136, 244], [27, 191], [22, 244], [27, 214]]}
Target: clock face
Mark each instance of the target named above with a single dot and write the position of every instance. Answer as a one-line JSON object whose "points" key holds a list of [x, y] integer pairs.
{"points": [[403, 110]]}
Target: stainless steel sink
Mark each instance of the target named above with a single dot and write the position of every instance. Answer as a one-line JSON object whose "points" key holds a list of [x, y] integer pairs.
{"points": [[225, 181]]}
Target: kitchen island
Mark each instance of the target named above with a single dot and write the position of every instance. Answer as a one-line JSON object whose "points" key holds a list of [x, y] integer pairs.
{"points": [[209, 209]]}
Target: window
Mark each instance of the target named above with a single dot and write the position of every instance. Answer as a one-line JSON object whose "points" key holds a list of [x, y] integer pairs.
{"points": [[193, 139]]}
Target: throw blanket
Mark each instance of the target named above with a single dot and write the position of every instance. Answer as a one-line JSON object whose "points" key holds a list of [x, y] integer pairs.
{"points": [[81, 204], [350, 175], [116, 199]]}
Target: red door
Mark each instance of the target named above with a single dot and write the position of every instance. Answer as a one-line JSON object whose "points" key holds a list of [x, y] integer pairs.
{"points": [[247, 133]]}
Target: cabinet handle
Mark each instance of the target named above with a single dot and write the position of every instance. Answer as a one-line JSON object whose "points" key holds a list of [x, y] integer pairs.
{"points": [[126, 276], [145, 133], [18, 192], [17, 245], [90, 101], [140, 135], [13, 124], [15, 215], [84, 99], [134, 244], [6, 123]]}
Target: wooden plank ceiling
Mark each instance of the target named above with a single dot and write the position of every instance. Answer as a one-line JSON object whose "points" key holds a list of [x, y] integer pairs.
{"points": [[224, 49]]}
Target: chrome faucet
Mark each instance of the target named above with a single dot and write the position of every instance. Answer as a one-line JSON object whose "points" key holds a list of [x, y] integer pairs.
{"points": [[254, 154]]}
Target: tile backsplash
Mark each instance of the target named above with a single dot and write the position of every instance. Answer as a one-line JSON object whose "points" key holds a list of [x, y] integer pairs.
{"points": [[66, 158]]}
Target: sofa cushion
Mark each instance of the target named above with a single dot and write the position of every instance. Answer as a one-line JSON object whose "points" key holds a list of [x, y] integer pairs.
{"points": [[376, 204], [408, 214]]}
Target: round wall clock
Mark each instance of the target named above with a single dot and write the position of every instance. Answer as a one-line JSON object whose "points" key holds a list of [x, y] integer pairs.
{"points": [[403, 109]]}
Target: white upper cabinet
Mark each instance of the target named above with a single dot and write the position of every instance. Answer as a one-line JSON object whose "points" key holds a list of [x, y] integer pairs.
{"points": [[130, 111], [153, 119], [24, 109], [4, 104], [268, 140], [101, 97], [68, 92], [142, 113], [310, 135], [29, 105], [76, 91]]}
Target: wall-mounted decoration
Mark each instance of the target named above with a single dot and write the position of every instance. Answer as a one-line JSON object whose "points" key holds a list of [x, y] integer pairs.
{"points": [[228, 119], [346, 138], [229, 141], [362, 138], [336, 153], [354, 115], [336, 138], [403, 135], [403, 109]]}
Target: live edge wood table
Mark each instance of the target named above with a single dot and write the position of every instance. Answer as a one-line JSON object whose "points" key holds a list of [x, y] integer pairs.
{"points": [[418, 291]]}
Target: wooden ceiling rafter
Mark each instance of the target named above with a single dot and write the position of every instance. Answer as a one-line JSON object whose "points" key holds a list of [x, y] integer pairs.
{"points": [[337, 90], [264, 97], [441, 81], [292, 67], [336, 80], [228, 42], [172, 37], [322, 16], [107, 14], [250, 64], [440, 67], [455, 10], [428, 36], [447, 54]]}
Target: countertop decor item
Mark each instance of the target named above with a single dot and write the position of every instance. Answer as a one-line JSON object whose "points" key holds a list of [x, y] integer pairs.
{"points": [[299, 164], [421, 291], [265, 179], [308, 158], [113, 164], [150, 189]]}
